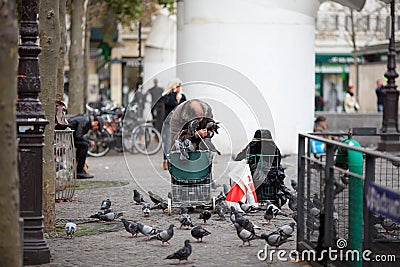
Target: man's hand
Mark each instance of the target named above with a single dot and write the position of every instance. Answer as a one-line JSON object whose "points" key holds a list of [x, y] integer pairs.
{"points": [[202, 133], [91, 143]]}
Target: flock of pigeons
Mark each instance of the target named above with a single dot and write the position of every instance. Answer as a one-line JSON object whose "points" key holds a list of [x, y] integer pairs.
{"points": [[245, 229]]}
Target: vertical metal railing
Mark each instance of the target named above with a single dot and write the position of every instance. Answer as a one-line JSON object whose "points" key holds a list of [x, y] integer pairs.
{"points": [[65, 164]]}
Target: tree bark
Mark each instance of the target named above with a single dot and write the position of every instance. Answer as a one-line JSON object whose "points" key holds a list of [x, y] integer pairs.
{"points": [[10, 246], [76, 57], [61, 55], [49, 34]]}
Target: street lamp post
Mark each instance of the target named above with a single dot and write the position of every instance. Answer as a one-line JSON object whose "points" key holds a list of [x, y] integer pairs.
{"points": [[390, 140], [31, 123]]}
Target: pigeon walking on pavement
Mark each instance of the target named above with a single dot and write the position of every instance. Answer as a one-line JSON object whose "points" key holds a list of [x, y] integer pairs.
{"points": [[146, 230], [105, 204], [70, 229], [109, 217], [155, 198], [205, 215], [272, 211], [164, 236], [130, 227], [184, 218], [287, 229], [199, 232], [221, 210], [247, 208], [137, 197], [183, 253], [245, 235], [162, 205], [275, 239], [146, 209]]}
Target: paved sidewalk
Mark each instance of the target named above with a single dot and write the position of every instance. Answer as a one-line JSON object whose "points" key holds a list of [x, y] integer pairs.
{"points": [[116, 249]]}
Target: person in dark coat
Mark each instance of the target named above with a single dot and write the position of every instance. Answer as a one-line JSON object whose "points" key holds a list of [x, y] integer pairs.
{"points": [[157, 105], [379, 97], [81, 124]]}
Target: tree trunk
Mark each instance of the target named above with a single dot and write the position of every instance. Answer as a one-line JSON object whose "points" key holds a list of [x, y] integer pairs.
{"points": [[10, 246], [76, 57], [61, 55], [49, 34]]}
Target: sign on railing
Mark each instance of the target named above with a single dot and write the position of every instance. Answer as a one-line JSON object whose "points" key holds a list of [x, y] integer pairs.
{"points": [[383, 201]]}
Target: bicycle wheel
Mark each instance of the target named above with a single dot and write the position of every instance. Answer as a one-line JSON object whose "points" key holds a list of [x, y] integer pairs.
{"points": [[146, 139], [100, 147]]}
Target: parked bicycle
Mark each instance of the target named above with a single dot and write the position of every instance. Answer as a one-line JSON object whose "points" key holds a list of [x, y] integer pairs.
{"points": [[123, 131]]}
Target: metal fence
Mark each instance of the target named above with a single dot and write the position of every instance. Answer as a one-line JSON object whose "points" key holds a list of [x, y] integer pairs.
{"points": [[65, 164], [334, 189]]}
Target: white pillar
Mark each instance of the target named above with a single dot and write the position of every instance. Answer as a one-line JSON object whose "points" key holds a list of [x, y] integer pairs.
{"points": [[267, 44]]}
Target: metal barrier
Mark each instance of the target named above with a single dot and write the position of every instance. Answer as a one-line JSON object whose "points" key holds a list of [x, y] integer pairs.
{"points": [[344, 204], [65, 164]]}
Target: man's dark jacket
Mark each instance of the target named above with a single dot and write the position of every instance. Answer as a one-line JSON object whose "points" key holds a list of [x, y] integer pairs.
{"points": [[81, 125]]}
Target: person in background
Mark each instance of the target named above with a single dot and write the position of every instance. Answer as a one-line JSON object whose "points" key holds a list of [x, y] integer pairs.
{"points": [[318, 101], [157, 106], [81, 124], [321, 126], [171, 99], [379, 97], [350, 102]]}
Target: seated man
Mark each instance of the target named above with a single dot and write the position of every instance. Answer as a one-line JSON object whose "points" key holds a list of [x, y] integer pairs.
{"points": [[193, 120], [81, 124]]}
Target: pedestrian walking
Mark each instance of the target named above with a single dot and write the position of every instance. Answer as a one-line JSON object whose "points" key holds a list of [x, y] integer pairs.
{"points": [[350, 102], [157, 105]]}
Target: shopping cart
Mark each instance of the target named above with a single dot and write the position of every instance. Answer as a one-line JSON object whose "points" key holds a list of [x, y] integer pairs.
{"points": [[191, 180]]}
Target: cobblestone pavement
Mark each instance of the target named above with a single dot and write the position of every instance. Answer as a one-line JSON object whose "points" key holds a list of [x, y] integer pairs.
{"points": [[116, 249]]}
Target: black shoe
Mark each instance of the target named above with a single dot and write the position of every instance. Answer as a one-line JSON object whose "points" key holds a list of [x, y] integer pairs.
{"points": [[83, 175]]}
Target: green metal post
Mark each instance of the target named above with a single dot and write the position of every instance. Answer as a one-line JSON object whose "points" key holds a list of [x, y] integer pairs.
{"points": [[354, 160]]}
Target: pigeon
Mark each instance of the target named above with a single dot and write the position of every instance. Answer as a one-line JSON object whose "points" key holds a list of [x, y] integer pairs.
{"points": [[137, 197], [292, 204], [272, 211], [184, 218], [389, 225], [130, 227], [233, 214], [244, 235], [106, 211], [247, 207], [109, 217], [345, 178], [106, 204], [274, 239], [146, 209], [286, 230], [205, 215], [184, 146], [155, 198], [183, 253], [70, 228], [199, 232], [169, 195], [312, 224], [338, 188], [162, 205], [220, 198], [316, 201], [213, 126], [192, 126], [165, 235], [147, 230], [221, 209], [96, 215], [293, 183]]}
